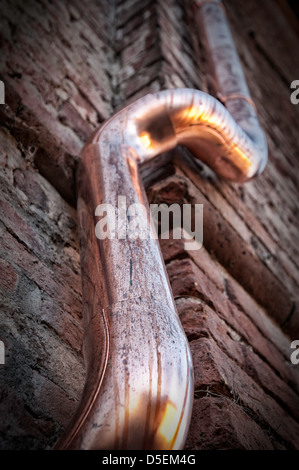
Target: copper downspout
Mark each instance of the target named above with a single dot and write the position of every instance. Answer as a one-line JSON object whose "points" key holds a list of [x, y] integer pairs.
{"points": [[139, 386]]}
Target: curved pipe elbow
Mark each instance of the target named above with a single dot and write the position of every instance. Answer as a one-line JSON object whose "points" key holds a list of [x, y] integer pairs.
{"points": [[206, 127], [161, 121]]}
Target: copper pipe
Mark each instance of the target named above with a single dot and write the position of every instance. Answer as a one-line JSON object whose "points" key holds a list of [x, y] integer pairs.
{"points": [[228, 81], [139, 386]]}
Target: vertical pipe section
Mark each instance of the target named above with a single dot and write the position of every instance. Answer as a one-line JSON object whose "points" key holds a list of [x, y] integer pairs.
{"points": [[139, 388], [229, 81]]}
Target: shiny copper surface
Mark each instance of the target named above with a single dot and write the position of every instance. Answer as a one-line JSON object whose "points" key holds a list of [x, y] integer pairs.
{"points": [[139, 387]]}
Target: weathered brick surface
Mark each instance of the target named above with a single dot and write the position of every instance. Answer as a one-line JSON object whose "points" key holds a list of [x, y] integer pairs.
{"points": [[9, 277], [234, 253], [40, 297], [200, 321], [196, 284], [67, 66], [222, 375], [220, 424]]}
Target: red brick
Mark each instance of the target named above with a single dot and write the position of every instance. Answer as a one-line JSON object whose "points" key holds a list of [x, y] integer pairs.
{"points": [[16, 223], [200, 321], [220, 424], [62, 323], [25, 181], [17, 421], [47, 279], [52, 160], [217, 373], [232, 252], [8, 277], [53, 399], [188, 280]]}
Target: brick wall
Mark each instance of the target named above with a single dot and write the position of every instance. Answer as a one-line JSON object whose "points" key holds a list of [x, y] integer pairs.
{"points": [[67, 66]]}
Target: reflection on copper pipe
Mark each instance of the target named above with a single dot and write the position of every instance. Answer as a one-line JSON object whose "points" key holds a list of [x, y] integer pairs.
{"points": [[139, 386]]}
